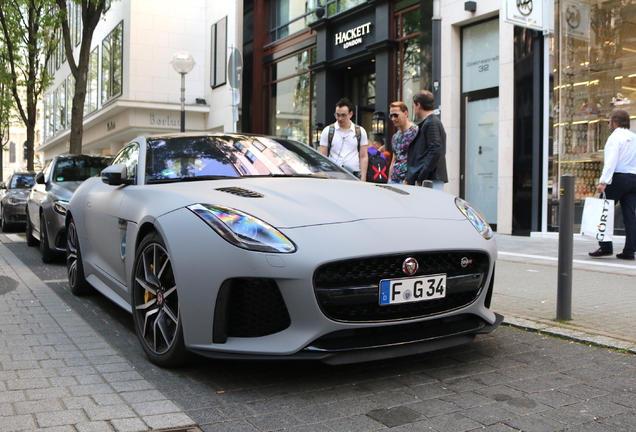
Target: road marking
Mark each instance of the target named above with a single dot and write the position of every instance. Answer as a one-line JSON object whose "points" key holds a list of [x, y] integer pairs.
{"points": [[586, 262]]}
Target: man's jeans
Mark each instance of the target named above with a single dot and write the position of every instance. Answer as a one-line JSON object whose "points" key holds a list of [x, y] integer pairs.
{"points": [[623, 189]]}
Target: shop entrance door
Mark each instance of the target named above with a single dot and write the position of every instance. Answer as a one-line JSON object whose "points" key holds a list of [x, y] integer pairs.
{"points": [[360, 89], [482, 155]]}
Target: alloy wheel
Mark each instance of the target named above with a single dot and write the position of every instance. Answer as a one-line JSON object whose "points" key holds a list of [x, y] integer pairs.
{"points": [[156, 304]]}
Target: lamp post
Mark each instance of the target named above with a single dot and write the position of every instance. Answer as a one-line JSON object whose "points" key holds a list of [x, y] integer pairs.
{"points": [[182, 62]]}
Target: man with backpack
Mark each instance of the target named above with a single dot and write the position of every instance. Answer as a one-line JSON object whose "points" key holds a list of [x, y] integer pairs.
{"points": [[344, 142], [378, 168]]}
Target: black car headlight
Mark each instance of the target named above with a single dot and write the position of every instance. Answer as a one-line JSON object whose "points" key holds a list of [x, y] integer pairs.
{"points": [[243, 230], [478, 221], [60, 207]]}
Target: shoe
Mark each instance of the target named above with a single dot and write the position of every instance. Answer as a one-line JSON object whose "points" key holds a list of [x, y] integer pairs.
{"points": [[625, 257], [600, 253]]}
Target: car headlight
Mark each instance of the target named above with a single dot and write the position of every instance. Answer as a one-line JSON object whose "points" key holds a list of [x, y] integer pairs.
{"points": [[242, 229], [16, 201], [478, 221], [60, 207]]}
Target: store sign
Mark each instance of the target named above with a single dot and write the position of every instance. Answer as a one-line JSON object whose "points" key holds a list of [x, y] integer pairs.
{"points": [[164, 121], [525, 13], [352, 37], [576, 20]]}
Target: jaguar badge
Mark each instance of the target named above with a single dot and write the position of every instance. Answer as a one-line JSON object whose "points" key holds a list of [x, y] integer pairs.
{"points": [[410, 266]]}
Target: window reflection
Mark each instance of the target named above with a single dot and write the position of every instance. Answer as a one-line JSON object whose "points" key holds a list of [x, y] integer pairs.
{"points": [[232, 156]]}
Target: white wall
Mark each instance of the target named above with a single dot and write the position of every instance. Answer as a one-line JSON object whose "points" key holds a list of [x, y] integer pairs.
{"points": [[157, 29], [220, 98], [454, 17]]}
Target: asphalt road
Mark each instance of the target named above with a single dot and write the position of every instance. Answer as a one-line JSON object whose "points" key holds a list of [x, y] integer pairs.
{"points": [[506, 381]]}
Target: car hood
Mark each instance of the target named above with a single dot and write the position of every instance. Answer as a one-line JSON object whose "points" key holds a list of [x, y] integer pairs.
{"points": [[64, 190], [289, 203], [18, 193]]}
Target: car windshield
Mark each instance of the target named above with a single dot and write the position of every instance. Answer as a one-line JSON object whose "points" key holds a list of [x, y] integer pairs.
{"points": [[22, 181], [206, 157], [79, 168]]}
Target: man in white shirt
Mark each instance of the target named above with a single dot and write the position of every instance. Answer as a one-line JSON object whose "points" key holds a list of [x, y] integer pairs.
{"points": [[618, 181], [346, 149]]}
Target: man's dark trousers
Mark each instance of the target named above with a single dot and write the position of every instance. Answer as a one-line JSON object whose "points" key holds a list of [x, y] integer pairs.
{"points": [[623, 189]]}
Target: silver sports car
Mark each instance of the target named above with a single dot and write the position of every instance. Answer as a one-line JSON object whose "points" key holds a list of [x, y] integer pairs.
{"points": [[241, 246]]}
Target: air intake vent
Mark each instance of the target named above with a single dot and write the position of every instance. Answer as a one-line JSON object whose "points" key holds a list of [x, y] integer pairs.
{"points": [[393, 189], [241, 192]]}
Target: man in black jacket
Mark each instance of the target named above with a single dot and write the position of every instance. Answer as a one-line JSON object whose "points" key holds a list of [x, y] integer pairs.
{"points": [[426, 156]]}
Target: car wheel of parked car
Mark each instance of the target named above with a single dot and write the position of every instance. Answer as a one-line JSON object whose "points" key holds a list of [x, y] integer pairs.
{"points": [[3, 221], [74, 266], [155, 304], [31, 241], [48, 255]]}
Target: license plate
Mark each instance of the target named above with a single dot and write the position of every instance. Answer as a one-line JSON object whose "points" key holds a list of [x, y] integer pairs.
{"points": [[412, 289]]}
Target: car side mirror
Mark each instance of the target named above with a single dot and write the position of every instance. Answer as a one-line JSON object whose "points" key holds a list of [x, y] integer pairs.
{"points": [[39, 178], [116, 175]]}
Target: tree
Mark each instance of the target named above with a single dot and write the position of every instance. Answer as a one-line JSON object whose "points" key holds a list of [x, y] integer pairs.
{"points": [[28, 27], [6, 104], [91, 13]]}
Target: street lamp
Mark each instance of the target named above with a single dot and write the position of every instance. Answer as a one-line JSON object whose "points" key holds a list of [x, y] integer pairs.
{"points": [[377, 123], [182, 62], [318, 133]]}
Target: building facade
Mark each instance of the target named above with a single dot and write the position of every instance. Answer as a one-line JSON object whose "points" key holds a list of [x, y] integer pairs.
{"points": [[523, 88]]}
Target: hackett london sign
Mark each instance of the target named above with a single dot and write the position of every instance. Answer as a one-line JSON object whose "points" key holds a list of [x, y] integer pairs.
{"points": [[352, 37]]}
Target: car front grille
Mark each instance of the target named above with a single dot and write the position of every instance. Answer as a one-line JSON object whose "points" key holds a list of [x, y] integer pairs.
{"points": [[249, 307], [349, 290]]}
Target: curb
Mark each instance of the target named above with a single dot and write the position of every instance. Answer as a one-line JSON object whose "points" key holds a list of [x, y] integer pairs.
{"points": [[570, 332]]}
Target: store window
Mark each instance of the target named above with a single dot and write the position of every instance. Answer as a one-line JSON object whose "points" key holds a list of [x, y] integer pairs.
{"points": [[70, 93], [290, 95], [12, 152], [90, 103], [112, 63], [218, 53], [60, 108], [595, 73], [288, 17], [409, 54], [291, 16]]}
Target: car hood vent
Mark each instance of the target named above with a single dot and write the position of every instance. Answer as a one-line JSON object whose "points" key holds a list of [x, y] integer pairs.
{"points": [[393, 189], [246, 193]]}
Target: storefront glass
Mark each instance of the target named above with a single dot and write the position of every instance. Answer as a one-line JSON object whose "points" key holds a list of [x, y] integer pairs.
{"points": [[290, 100], [595, 73], [413, 54]]}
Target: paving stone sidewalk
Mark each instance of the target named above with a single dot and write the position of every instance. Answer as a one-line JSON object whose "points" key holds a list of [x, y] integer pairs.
{"points": [[603, 291], [57, 373]]}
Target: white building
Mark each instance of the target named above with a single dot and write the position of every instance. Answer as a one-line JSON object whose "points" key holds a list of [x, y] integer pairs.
{"points": [[133, 88]]}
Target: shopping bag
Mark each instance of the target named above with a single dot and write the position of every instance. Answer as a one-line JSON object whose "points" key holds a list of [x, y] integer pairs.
{"points": [[598, 219]]}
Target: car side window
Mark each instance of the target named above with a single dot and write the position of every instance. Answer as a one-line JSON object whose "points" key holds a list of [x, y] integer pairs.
{"points": [[129, 156]]}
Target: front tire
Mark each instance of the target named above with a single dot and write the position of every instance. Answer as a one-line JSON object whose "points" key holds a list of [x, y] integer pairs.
{"points": [[74, 265], [156, 304], [30, 239], [5, 225], [48, 255]]}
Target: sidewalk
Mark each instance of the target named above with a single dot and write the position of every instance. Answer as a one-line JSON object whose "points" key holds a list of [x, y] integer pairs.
{"points": [[56, 372], [603, 290]]}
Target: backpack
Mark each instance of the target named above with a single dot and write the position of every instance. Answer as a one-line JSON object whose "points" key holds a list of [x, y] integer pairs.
{"points": [[332, 130], [377, 169]]}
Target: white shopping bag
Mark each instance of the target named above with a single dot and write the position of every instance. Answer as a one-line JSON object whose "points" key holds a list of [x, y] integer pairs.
{"points": [[598, 219]]}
